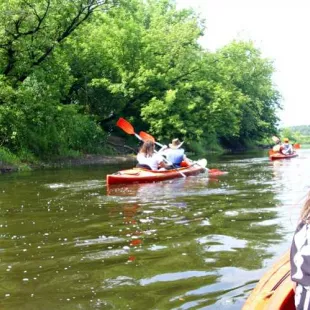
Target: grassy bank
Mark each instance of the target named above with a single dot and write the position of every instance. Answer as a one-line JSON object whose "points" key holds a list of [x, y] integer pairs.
{"points": [[10, 162]]}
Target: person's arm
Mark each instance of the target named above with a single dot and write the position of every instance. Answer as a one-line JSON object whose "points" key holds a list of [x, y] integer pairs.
{"points": [[161, 162]]}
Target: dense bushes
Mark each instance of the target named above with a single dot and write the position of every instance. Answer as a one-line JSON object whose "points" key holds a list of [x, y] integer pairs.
{"points": [[68, 69]]}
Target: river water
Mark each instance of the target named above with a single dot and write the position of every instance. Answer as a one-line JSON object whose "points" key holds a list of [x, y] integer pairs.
{"points": [[69, 242]]}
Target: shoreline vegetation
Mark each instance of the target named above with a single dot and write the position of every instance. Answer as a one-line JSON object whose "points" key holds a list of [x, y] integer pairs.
{"points": [[83, 160], [69, 70], [117, 151], [122, 154]]}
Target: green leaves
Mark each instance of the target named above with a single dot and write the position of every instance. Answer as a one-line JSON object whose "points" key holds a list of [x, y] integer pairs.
{"points": [[66, 64]]}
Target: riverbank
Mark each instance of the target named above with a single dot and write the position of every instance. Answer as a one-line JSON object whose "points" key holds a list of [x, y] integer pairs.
{"points": [[89, 159], [123, 154], [84, 160], [117, 145]]}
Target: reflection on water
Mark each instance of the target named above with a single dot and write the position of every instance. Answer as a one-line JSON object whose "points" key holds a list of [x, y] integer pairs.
{"points": [[197, 242]]}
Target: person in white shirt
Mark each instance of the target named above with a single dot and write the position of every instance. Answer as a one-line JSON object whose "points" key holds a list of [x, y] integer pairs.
{"points": [[148, 158]]}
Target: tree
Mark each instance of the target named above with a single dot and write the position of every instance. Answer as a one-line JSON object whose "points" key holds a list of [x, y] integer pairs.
{"points": [[241, 65], [138, 52], [33, 76]]}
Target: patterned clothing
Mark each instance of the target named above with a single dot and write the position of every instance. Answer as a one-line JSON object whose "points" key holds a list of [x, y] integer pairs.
{"points": [[300, 265], [302, 297]]}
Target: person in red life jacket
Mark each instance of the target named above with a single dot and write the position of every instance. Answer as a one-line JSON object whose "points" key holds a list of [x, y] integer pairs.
{"points": [[148, 158], [300, 259], [286, 147], [175, 154]]}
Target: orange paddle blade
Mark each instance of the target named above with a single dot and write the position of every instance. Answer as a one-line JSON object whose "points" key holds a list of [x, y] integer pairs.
{"points": [[145, 136], [296, 146], [271, 152], [126, 126]]}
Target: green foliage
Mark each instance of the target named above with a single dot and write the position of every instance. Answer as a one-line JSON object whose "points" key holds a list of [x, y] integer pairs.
{"points": [[35, 78], [300, 134], [241, 66], [48, 129], [31, 30], [8, 157], [26, 156], [68, 70], [294, 136], [302, 129], [287, 133], [204, 147]]}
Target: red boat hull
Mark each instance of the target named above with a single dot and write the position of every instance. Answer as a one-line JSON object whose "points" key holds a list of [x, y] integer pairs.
{"points": [[276, 156], [139, 175]]}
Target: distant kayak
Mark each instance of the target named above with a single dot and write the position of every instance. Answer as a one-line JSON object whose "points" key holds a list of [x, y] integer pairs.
{"points": [[276, 155], [274, 290]]}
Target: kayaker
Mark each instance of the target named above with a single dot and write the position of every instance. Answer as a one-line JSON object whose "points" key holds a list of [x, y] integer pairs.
{"points": [[175, 154], [277, 146], [300, 259], [286, 147], [148, 158]]}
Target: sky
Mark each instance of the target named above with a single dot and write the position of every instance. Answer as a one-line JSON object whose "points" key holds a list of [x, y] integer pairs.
{"points": [[280, 29]]}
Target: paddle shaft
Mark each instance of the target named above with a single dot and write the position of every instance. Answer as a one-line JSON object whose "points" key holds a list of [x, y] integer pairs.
{"points": [[146, 136]]}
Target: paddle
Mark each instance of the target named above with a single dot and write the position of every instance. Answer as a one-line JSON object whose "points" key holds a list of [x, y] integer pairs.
{"points": [[128, 128], [145, 136], [202, 163]]}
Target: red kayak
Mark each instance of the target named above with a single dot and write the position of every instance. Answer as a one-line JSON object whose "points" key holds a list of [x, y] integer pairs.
{"points": [[276, 155], [275, 290], [140, 175]]}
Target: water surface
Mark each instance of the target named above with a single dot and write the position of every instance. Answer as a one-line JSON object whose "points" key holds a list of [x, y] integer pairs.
{"points": [[69, 242]]}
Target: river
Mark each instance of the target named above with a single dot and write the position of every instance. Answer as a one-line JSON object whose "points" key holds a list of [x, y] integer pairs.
{"points": [[69, 242]]}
